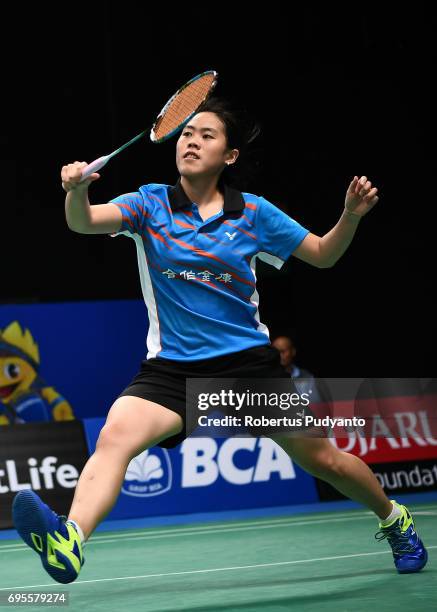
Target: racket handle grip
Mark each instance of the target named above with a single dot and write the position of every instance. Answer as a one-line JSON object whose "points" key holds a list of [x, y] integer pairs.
{"points": [[94, 166]]}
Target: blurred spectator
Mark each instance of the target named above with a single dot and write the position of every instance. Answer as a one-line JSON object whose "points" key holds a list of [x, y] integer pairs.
{"points": [[287, 350]]}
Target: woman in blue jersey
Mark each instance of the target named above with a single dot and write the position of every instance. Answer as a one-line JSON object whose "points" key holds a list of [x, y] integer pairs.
{"points": [[197, 243]]}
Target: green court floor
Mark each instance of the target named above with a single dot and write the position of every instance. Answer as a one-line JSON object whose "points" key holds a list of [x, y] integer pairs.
{"points": [[316, 562]]}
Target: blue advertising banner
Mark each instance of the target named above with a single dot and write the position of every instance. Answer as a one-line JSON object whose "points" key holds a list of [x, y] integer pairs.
{"points": [[67, 360], [207, 474]]}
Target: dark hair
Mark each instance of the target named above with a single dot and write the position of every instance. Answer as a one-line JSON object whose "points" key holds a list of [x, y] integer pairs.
{"points": [[241, 130]]}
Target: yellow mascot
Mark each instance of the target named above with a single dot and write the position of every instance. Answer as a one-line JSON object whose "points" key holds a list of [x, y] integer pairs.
{"points": [[24, 395]]}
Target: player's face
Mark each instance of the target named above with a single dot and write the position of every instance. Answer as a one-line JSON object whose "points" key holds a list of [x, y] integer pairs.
{"points": [[202, 148]]}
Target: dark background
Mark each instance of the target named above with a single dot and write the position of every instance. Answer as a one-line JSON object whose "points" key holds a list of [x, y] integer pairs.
{"points": [[338, 92]]}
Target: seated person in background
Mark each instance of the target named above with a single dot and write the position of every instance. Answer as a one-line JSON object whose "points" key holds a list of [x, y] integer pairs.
{"points": [[287, 349], [303, 379]]}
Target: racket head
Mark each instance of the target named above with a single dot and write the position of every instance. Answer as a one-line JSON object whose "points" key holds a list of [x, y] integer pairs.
{"points": [[182, 106]]}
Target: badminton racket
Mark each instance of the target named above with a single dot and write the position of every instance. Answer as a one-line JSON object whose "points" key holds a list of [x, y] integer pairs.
{"points": [[176, 113]]}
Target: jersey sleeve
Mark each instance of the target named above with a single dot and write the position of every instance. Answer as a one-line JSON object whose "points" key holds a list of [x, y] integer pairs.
{"points": [[278, 234], [133, 209]]}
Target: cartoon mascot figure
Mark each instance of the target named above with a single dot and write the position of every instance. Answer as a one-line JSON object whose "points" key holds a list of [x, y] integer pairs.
{"points": [[24, 395]]}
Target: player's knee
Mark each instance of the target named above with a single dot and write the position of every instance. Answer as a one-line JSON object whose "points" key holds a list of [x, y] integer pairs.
{"points": [[111, 435], [325, 463]]}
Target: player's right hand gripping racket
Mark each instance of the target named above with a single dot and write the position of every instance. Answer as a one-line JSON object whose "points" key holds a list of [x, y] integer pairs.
{"points": [[175, 114]]}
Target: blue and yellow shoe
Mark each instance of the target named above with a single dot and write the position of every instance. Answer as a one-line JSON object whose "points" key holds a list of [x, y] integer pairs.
{"points": [[409, 553], [57, 542]]}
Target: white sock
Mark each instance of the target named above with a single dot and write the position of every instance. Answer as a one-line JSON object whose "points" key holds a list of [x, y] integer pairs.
{"points": [[394, 514], [79, 531]]}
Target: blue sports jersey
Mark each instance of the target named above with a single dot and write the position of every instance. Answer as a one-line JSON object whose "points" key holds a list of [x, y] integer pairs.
{"points": [[198, 277]]}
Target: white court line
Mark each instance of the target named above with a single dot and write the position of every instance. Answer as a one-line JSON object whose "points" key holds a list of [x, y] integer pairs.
{"points": [[200, 528], [245, 522], [234, 524], [211, 530], [221, 528], [323, 516], [188, 533], [286, 521], [207, 571]]}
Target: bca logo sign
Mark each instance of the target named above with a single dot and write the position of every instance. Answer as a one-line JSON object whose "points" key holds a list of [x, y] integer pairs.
{"points": [[203, 461], [148, 474]]}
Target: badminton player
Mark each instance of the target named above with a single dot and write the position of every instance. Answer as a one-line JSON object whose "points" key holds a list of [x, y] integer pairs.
{"points": [[196, 243]]}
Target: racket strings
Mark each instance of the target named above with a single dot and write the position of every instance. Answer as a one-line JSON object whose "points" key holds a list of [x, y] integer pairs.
{"points": [[183, 105]]}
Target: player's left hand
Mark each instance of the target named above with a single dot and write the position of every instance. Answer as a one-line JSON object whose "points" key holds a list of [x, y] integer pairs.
{"points": [[360, 196]]}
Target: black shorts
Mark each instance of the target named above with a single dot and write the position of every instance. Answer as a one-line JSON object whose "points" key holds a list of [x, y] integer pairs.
{"points": [[164, 380]]}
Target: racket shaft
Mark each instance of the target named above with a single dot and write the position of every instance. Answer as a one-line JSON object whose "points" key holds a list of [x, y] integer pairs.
{"points": [[94, 166]]}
